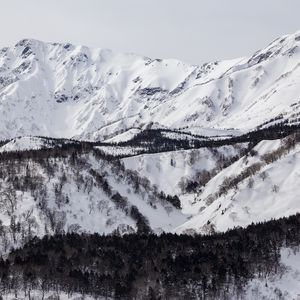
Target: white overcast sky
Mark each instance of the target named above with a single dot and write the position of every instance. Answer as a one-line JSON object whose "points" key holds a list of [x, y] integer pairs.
{"points": [[194, 31]]}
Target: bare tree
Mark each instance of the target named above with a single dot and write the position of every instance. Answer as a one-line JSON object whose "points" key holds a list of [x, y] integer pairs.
{"points": [[275, 188], [250, 183], [263, 175]]}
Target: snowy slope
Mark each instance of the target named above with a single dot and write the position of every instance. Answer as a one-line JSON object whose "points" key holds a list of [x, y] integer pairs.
{"points": [[48, 195], [166, 170], [62, 90], [25, 143], [271, 192]]}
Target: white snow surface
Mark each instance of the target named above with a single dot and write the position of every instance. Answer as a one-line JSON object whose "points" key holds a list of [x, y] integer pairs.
{"points": [[167, 169], [244, 205], [67, 91], [124, 136], [24, 143], [120, 150]]}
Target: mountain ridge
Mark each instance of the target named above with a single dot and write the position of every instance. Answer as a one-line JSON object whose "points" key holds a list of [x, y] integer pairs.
{"points": [[62, 90]]}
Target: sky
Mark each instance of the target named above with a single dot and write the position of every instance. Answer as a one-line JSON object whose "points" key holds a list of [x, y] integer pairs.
{"points": [[195, 31]]}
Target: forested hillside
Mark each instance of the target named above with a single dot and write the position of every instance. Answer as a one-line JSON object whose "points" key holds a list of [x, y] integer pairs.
{"points": [[218, 266]]}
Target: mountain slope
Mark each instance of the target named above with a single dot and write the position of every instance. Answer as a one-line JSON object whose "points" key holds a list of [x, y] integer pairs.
{"points": [[77, 190], [257, 187], [61, 90], [170, 170], [219, 187]]}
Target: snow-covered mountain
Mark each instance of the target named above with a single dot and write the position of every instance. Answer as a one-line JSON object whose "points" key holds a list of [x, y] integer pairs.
{"points": [[62, 90], [54, 96], [218, 187]]}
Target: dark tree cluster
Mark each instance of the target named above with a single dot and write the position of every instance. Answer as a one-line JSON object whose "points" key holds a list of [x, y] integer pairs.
{"points": [[157, 140], [202, 177], [151, 267]]}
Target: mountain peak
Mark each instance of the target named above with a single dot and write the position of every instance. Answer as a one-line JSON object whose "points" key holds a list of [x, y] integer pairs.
{"points": [[286, 45], [30, 42]]}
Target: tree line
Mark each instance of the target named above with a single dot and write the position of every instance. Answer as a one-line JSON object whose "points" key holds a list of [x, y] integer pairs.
{"points": [[134, 266]]}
